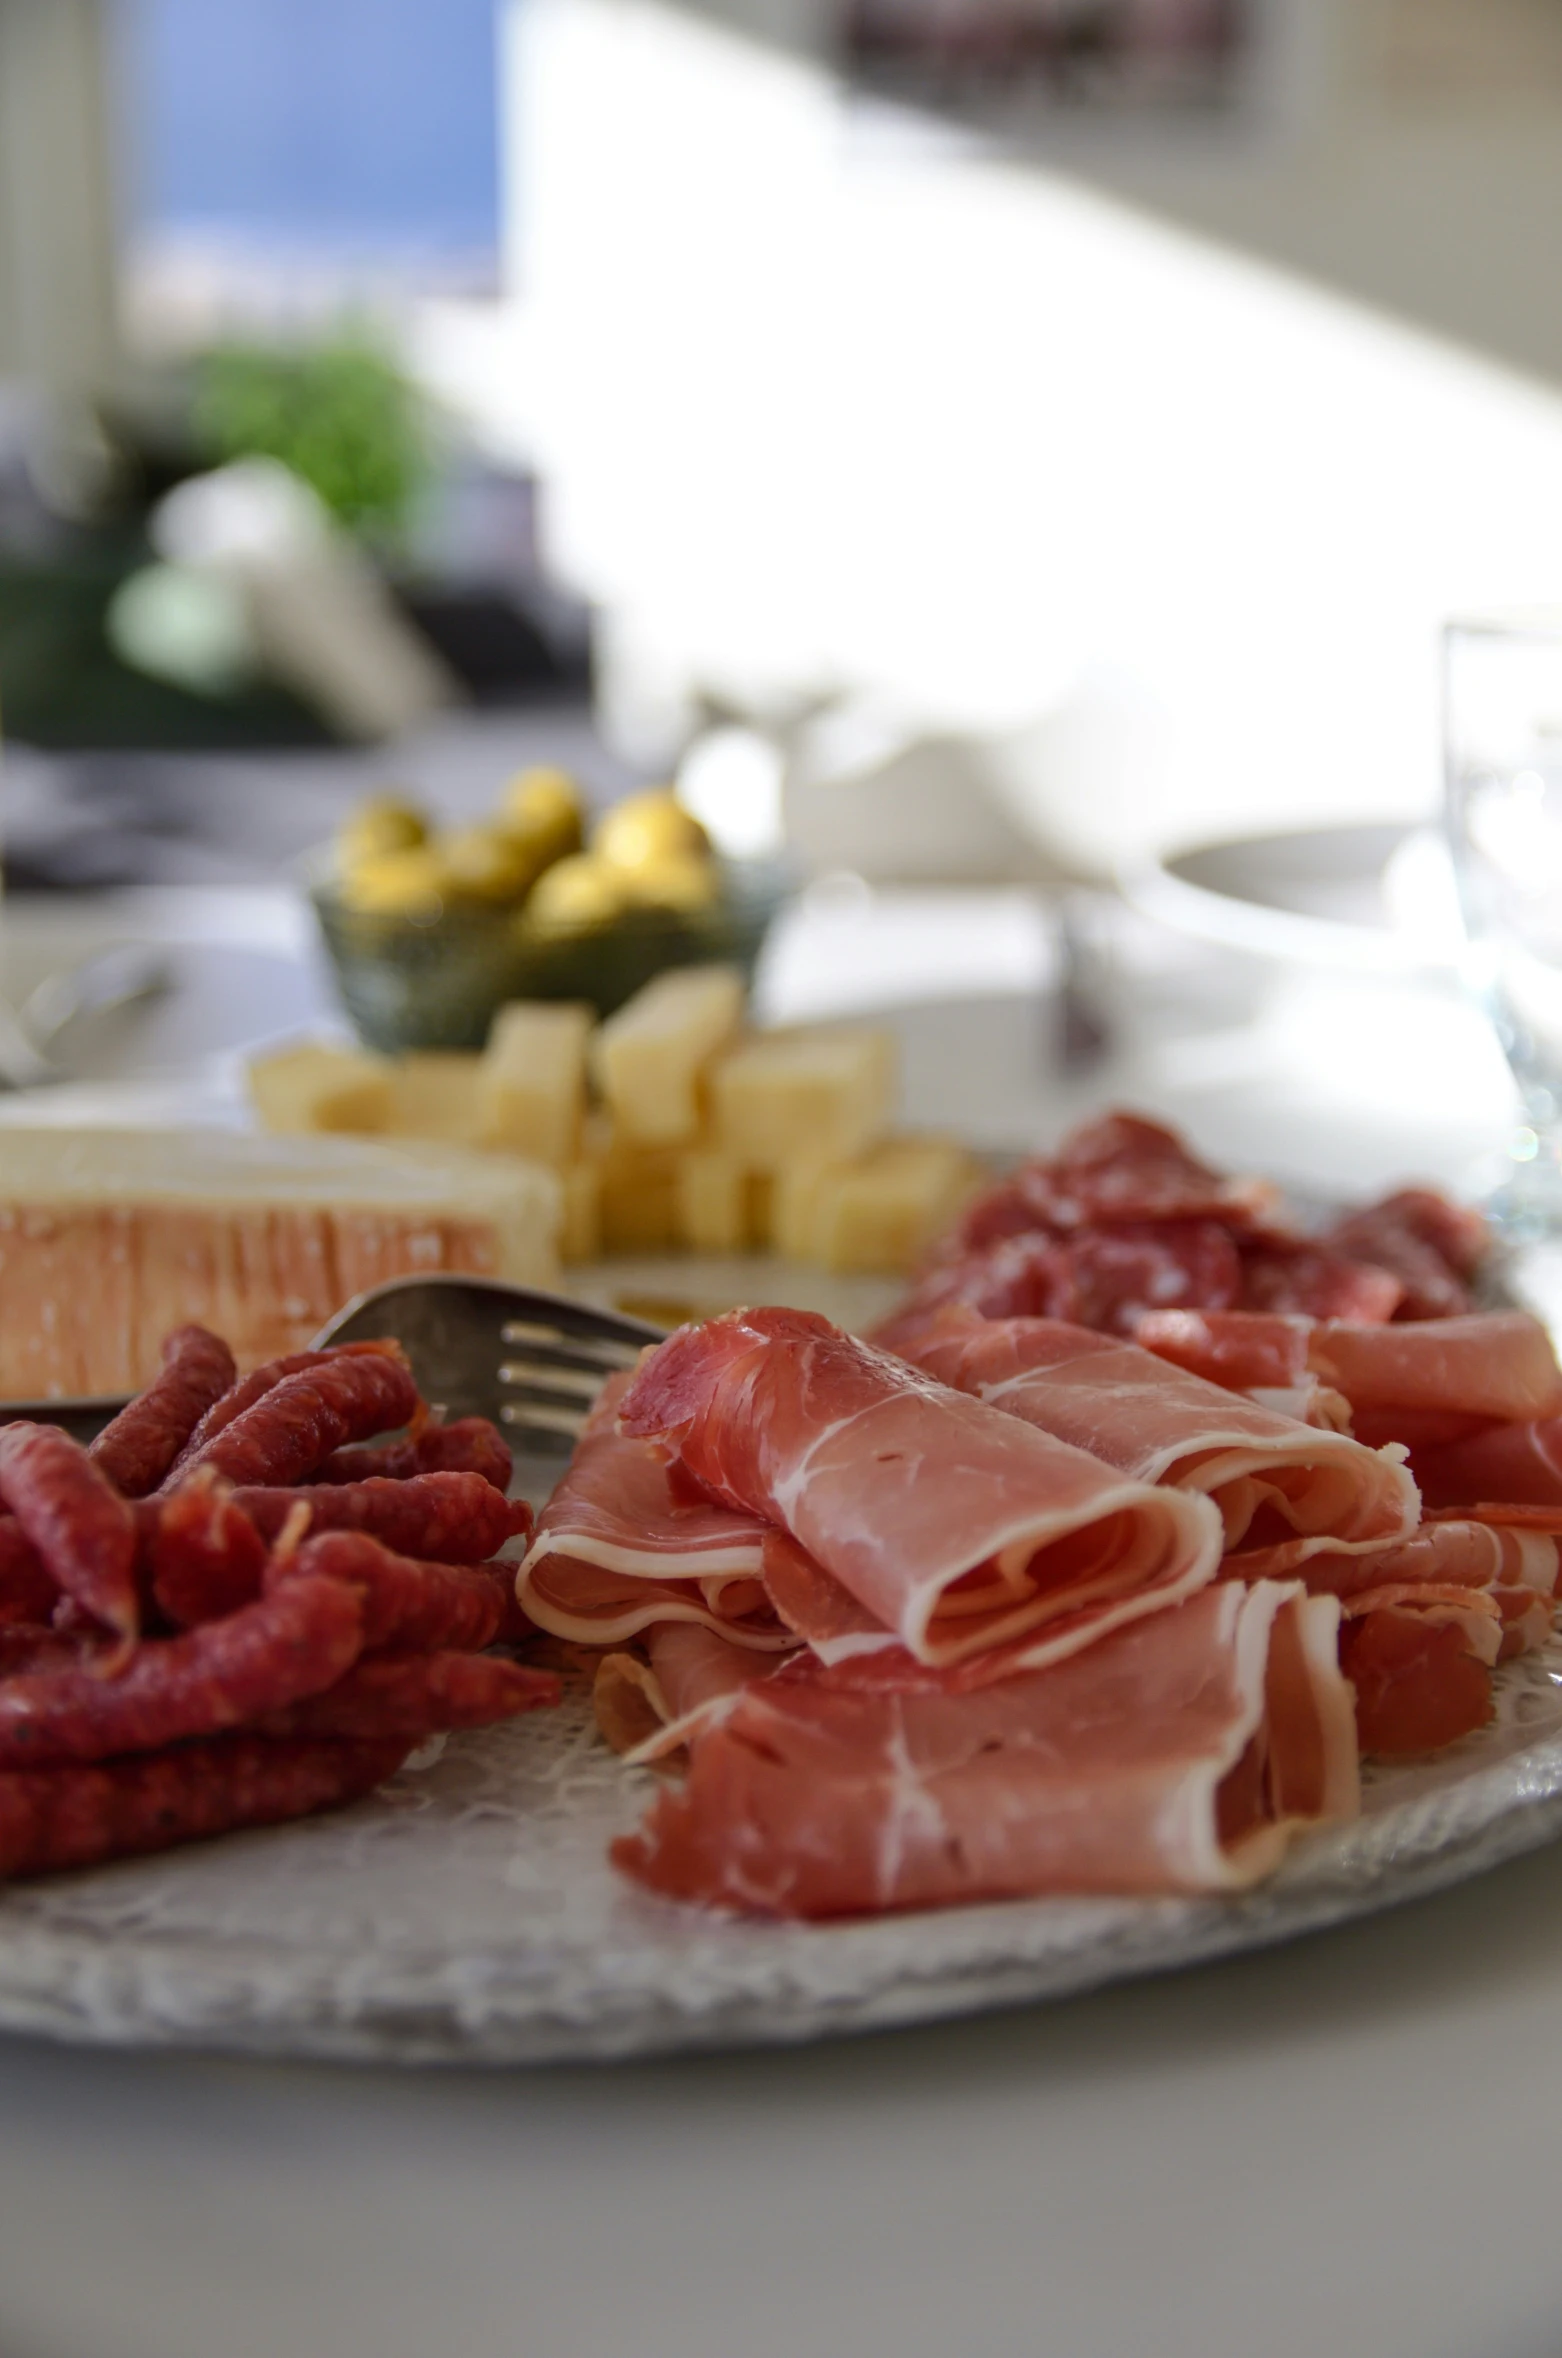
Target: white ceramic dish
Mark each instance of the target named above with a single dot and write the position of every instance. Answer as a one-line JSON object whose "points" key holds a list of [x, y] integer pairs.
{"points": [[468, 1913]]}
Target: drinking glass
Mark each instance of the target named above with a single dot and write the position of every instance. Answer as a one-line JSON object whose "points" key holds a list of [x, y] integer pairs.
{"points": [[1502, 736]]}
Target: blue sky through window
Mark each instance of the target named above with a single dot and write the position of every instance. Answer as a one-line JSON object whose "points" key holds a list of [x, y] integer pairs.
{"points": [[361, 126]]}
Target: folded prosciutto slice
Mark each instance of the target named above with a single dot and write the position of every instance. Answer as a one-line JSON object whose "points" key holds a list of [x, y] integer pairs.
{"points": [[1156, 1422], [621, 1544], [1513, 1567], [1490, 1365], [1177, 1755], [1520, 1464], [689, 1683], [959, 1528]]}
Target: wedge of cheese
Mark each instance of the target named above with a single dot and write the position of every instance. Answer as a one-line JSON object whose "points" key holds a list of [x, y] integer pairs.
{"points": [[313, 1088], [650, 1059], [532, 1089], [822, 1093], [637, 1190], [109, 1238]]}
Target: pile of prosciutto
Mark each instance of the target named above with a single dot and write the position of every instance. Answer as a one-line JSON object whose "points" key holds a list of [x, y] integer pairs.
{"points": [[1096, 1569]]}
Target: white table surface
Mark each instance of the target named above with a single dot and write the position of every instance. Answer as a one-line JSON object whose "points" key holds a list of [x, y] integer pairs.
{"points": [[1353, 2144]]}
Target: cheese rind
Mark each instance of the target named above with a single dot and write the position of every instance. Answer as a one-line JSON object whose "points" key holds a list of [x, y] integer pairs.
{"points": [[110, 1238], [650, 1059], [824, 1093], [312, 1088], [532, 1087]]}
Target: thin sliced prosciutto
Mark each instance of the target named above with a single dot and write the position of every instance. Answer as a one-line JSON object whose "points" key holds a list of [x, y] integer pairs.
{"points": [[1518, 1464], [1514, 1568], [1420, 1663], [1495, 1365], [688, 1684], [622, 1543], [1179, 1754], [960, 1529], [1265, 1471]]}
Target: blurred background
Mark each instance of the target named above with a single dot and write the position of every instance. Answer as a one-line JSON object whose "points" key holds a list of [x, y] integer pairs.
{"points": [[982, 447]]}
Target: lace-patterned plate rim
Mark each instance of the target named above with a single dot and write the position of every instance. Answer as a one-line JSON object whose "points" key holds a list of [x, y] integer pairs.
{"points": [[467, 1913]]}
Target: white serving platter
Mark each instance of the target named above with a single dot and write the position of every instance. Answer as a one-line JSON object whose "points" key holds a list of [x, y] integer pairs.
{"points": [[467, 1913]]}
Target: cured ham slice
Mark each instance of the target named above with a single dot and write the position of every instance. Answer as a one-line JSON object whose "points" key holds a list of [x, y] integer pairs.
{"points": [[622, 1544], [1420, 1663], [1160, 1424], [1516, 1569], [1180, 1754], [1519, 1464], [689, 1684], [959, 1528], [1491, 1365]]}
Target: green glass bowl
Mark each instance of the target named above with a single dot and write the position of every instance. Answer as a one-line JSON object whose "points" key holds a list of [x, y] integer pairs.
{"points": [[436, 983]]}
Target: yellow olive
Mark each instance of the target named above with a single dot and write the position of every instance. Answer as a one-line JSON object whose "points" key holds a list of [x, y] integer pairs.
{"points": [[675, 880], [487, 865], [579, 891], [542, 808], [649, 827], [380, 823], [413, 883]]}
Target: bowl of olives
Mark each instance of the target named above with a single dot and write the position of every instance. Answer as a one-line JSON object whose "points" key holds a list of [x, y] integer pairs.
{"points": [[429, 930]]}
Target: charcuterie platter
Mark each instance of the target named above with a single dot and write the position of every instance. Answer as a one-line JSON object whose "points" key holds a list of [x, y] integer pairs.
{"points": [[772, 1738]]}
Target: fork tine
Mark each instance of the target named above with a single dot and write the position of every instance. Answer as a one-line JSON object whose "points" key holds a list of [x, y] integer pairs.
{"points": [[533, 1418], [572, 1382], [593, 1350]]}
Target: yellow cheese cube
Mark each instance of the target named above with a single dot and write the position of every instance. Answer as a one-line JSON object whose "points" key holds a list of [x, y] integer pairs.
{"points": [[580, 1232], [637, 1190], [883, 1210], [722, 1207], [796, 1191], [313, 1088], [828, 1093], [532, 1086], [434, 1095], [649, 1060]]}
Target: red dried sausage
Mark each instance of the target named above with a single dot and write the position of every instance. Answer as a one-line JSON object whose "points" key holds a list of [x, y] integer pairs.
{"points": [[291, 1643], [82, 1529], [413, 1607], [470, 1446], [28, 1590], [292, 1428], [448, 1518], [418, 1695], [204, 1554], [78, 1817], [136, 1449]]}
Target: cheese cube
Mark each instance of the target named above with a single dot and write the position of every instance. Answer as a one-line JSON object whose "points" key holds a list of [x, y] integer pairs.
{"points": [[532, 1087], [649, 1060], [882, 1211], [794, 1209], [434, 1095], [722, 1207], [828, 1093], [637, 1190], [314, 1088], [580, 1231]]}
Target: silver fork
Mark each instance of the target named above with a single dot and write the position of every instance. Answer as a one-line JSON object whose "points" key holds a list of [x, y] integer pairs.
{"points": [[532, 1362]]}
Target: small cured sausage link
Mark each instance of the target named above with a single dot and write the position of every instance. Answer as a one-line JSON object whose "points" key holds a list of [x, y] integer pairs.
{"points": [[413, 1607], [204, 1555], [447, 1518], [83, 1531], [28, 1590], [33, 1646], [243, 1395], [77, 1817], [418, 1695], [137, 1448], [289, 1644], [300, 1421], [470, 1446]]}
